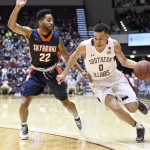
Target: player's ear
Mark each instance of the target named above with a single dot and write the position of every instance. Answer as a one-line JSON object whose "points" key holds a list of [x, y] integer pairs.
{"points": [[40, 21]]}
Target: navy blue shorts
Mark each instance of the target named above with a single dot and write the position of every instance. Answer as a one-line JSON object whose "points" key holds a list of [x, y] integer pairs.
{"points": [[38, 80]]}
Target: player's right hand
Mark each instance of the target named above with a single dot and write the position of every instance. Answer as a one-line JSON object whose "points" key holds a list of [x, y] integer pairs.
{"points": [[21, 3]]}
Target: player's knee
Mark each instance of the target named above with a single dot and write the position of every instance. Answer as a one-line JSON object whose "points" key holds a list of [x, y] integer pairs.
{"points": [[25, 102], [132, 109], [112, 103], [67, 103], [115, 108]]}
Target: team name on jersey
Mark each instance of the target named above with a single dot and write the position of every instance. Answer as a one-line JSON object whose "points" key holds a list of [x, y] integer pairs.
{"points": [[100, 59], [101, 74], [44, 48]]}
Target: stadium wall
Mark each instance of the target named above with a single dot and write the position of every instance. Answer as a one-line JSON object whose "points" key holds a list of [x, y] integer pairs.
{"points": [[99, 10]]}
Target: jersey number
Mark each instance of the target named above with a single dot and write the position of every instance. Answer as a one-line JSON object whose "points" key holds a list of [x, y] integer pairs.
{"points": [[100, 67], [45, 57]]}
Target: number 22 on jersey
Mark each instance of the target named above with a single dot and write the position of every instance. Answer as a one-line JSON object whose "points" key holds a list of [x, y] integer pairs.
{"points": [[44, 57]]}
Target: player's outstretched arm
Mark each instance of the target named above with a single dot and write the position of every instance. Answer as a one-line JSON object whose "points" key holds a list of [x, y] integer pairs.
{"points": [[66, 55], [12, 22], [71, 62]]}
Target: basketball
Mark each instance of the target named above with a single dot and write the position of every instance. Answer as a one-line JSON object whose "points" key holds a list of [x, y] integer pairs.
{"points": [[142, 70]]}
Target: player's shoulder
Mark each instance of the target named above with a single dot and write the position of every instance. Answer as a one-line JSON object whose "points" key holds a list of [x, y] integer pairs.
{"points": [[85, 42], [56, 32], [115, 42], [82, 44], [117, 45]]}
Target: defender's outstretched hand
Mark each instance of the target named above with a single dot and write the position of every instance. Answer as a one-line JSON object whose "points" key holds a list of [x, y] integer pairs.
{"points": [[21, 3], [86, 76]]}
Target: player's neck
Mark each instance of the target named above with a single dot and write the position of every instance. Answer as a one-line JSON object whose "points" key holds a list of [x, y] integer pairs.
{"points": [[99, 50], [44, 33]]}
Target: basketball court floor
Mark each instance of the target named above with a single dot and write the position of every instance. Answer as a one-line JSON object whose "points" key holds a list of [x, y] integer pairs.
{"points": [[51, 127]]}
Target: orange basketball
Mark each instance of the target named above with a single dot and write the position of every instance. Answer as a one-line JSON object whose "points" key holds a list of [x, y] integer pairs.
{"points": [[142, 70]]}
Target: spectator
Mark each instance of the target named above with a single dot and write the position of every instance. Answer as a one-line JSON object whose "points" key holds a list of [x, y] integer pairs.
{"points": [[4, 73], [5, 86], [71, 86]]}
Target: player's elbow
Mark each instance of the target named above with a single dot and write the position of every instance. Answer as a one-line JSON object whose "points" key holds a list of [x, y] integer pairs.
{"points": [[123, 64], [10, 25]]}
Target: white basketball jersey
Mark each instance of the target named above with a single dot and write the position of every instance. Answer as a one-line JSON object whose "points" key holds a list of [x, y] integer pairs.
{"points": [[100, 65]]}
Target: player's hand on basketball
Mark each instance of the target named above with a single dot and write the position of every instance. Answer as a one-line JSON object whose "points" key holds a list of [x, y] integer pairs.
{"points": [[60, 78], [21, 3], [86, 76]]}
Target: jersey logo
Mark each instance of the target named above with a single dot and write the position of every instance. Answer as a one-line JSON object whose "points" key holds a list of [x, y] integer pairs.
{"points": [[44, 48], [109, 50], [35, 39]]}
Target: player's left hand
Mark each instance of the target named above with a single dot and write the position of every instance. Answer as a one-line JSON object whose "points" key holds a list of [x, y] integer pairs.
{"points": [[86, 76]]}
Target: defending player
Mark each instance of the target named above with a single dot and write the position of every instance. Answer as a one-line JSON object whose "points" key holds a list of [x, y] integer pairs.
{"points": [[46, 46]]}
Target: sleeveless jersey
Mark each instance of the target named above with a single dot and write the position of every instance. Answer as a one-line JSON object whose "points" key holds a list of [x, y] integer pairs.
{"points": [[44, 51], [100, 65]]}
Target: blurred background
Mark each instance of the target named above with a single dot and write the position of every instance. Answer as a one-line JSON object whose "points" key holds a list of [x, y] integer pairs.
{"points": [[129, 21]]}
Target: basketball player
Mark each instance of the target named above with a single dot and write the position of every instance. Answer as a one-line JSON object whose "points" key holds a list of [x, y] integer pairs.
{"points": [[108, 84], [45, 49]]}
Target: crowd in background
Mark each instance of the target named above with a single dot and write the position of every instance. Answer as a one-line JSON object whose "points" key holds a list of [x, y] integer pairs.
{"points": [[135, 21], [129, 3], [14, 56]]}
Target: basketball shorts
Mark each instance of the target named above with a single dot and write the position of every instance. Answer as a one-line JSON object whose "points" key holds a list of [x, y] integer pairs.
{"points": [[116, 85], [38, 80]]}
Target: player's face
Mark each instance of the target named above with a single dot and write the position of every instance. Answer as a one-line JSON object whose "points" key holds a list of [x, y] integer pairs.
{"points": [[100, 40], [47, 22]]}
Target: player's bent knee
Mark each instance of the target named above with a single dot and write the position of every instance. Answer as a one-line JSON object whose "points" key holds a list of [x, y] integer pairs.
{"points": [[132, 108]]}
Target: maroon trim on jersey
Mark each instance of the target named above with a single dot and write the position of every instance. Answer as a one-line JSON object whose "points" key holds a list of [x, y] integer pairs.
{"points": [[92, 42], [43, 38], [134, 88]]}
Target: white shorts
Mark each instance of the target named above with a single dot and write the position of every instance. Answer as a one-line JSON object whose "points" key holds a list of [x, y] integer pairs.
{"points": [[117, 85]]}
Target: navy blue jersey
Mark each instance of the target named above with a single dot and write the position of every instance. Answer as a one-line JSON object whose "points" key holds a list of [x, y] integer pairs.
{"points": [[44, 52]]}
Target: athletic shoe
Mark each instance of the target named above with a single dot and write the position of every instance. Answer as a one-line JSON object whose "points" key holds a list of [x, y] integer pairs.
{"points": [[80, 125], [140, 134], [24, 132], [142, 108]]}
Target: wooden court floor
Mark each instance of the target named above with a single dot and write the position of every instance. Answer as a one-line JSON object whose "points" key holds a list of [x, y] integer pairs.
{"points": [[51, 127]]}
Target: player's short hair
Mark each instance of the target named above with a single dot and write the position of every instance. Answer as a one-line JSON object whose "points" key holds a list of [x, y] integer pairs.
{"points": [[101, 27], [41, 14]]}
